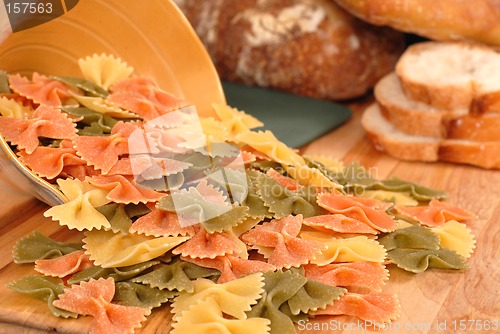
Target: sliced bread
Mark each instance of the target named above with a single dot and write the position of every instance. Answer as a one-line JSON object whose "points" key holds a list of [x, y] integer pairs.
{"points": [[417, 118], [452, 75], [386, 137]]}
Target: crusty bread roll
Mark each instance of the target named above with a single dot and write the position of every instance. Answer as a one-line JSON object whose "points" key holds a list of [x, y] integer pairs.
{"points": [[386, 137], [451, 75], [418, 118], [308, 47], [477, 20]]}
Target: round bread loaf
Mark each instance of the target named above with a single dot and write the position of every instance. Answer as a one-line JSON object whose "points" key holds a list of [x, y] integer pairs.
{"points": [[477, 20], [307, 47]]}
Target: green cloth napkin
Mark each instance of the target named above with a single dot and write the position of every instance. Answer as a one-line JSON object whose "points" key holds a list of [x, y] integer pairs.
{"points": [[295, 120]]}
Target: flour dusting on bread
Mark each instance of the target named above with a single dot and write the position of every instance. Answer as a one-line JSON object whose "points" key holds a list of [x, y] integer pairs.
{"points": [[290, 21], [307, 47], [209, 17]]}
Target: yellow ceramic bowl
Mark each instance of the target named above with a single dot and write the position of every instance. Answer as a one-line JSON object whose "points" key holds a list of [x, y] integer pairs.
{"points": [[152, 36]]}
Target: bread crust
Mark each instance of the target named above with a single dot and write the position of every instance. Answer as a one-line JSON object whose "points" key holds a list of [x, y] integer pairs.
{"points": [[484, 104], [476, 128], [307, 47], [469, 94], [420, 119], [411, 151], [486, 155], [443, 97], [406, 117], [476, 20], [387, 138]]}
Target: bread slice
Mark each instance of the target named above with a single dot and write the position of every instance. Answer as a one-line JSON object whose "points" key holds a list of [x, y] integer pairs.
{"points": [[452, 75], [396, 143], [417, 118]]}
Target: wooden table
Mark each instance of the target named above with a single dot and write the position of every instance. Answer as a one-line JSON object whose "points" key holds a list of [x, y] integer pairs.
{"points": [[429, 301]]}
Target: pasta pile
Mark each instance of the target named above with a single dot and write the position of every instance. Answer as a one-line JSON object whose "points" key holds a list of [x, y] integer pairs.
{"points": [[230, 227]]}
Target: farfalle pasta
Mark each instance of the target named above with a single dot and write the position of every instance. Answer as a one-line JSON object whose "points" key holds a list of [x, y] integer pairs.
{"points": [[232, 267], [360, 209], [266, 143], [109, 249], [376, 308], [45, 122], [398, 198], [64, 265], [139, 295], [41, 89], [234, 298], [435, 214], [337, 249], [232, 181], [104, 106], [80, 211], [104, 70], [91, 122], [94, 298], [88, 87], [225, 224], [194, 208], [143, 98], [46, 289], [287, 294], [283, 202], [279, 242], [118, 274], [257, 208], [35, 246], [308, 176], [50, 162], [103, 152], [161, 223], [208, 316], [178, 276], [417, 248], [370, 276], [356, 179], [457, 237], [205, 245], [13, 109], [338, 223], [121, 189], [235, 121], [116, 214]]}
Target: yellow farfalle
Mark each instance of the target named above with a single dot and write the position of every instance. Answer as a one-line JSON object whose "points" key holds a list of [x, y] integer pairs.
{"points": [[104, 70], [245, 226], [103, 106], [307, 176], [399, 198], [234, 297], [235, 121], [266, 143], [12, 108], [358, 248], [403, 224], [207, 317], [457, 237], [214, 130], [109, 250], [80, 210]]}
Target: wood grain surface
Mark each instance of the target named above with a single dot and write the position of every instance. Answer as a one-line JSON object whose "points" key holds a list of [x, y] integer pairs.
{"points": [[436, 301]]}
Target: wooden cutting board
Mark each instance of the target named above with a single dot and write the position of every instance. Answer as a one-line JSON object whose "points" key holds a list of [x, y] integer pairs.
{"points": [[437, 301]]}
